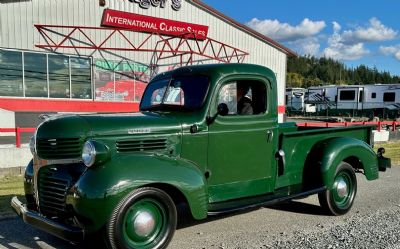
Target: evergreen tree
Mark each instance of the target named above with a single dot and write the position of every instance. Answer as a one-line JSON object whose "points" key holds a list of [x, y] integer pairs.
{"points": [[305, 71]]}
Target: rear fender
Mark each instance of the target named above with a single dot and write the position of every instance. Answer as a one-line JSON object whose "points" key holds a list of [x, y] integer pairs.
{"points": [[356, 152], [327, 155]]}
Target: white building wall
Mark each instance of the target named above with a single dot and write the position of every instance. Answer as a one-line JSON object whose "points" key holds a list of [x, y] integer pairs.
{"points": [[17, 30]]}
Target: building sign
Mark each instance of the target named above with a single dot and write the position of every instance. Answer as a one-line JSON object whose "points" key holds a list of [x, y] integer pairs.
{"points": [[142, 23], [120, 66], [145, 4]]}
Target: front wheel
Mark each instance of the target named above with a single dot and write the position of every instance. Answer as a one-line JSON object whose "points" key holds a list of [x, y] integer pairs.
{"points": [[340, 198], [145, 218]]}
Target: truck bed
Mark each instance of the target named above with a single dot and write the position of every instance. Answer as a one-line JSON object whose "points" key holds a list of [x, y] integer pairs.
{"points": [[297, 142]]}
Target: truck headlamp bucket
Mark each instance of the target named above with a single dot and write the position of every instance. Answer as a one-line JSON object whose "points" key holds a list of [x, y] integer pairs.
{"points": [[94, 152]]}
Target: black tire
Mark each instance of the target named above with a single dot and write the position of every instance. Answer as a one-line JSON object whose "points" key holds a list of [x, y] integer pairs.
{"points": [[340, 199], [145, 218]]}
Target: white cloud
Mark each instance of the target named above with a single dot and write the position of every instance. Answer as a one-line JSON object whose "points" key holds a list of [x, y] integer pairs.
{"points": [[391, 50], [375, 31], [306, 46], [336, 27], [286, 32], [339, 50]]}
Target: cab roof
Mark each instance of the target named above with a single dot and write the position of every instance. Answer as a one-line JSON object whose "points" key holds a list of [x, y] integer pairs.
{"points": [[218, 71]]}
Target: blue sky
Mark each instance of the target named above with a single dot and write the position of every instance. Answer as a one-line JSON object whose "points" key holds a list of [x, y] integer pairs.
{"points": [[354, 32]]}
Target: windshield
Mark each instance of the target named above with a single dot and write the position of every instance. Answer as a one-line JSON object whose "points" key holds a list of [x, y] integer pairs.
{"points": [[186, 93]]}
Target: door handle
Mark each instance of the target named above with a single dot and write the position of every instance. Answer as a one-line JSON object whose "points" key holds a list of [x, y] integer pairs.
{"points": [[270, 135]]}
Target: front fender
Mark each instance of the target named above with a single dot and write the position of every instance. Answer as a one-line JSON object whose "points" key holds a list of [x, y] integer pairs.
{"points": [[336, 150], [100, 189]]}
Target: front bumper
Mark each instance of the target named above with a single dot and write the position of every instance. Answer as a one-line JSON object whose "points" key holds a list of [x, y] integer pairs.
{"points": [[63, 231]]}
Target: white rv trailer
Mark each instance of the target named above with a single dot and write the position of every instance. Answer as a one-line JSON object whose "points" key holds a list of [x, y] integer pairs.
{"points": [[355, 100], [294, 99]]}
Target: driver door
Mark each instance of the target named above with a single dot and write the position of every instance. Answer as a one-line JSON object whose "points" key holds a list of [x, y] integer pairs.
{"points": [[241, 159]]}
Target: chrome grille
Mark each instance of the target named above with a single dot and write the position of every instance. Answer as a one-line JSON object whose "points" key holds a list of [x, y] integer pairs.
{"points": [[52, 194], [59, 148], [141, 145]]}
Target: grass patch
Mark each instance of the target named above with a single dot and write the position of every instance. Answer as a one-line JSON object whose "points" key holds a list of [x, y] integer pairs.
{"points": [[10, 186], [392, 151]]}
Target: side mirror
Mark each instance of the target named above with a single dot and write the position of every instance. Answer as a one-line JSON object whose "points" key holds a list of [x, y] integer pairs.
{"points": [[222, 109]]}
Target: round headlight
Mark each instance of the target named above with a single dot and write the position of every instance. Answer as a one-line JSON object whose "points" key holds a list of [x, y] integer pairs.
{"points": [[32, 145], [88, 153]]}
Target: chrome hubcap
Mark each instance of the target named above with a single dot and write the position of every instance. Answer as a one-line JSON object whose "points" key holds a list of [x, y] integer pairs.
{"points": [[144, 224], [342, 189]]}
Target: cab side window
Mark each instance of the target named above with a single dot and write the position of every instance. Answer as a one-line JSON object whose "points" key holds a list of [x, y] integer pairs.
{"points": [[244, 97]]}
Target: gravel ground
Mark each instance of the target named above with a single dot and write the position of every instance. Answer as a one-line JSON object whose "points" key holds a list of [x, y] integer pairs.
{"points": [[373, 222], [378, 230]]}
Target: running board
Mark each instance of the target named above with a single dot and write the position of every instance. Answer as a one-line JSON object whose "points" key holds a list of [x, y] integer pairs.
{"points": [[267, 203]]}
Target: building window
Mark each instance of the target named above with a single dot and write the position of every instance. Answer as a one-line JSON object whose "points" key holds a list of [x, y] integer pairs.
{"points": [[35, 71], [373, 95], [42, 75], [80, 78], [11, 76], [120, 81], [389, 97], [59, 76], [347, 95]]}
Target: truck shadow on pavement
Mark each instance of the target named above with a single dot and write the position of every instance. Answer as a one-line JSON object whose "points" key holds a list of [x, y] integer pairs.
{"points": [[14, 233], [185, 219], [299, 207]]}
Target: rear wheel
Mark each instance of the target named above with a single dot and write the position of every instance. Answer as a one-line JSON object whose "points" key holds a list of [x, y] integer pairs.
{"points": [[146, 218], [340, 198]]}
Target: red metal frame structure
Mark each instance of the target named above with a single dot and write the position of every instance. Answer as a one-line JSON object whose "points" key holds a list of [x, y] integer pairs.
{"points": [[17, 131], [183, 46]]}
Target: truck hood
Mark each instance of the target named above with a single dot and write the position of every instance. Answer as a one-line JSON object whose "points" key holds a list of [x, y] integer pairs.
{"points": [[93, 125], [132, 123]]}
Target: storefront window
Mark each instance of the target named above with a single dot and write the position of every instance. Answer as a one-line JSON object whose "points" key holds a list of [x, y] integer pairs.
{"points": [[46, 75], [104, 85], [81, 78], [35, 75], [11, 73], [59, 76], [120, 81]]}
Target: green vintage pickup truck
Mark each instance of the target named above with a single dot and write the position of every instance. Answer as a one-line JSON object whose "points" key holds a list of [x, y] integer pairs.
{"points": [[207, 137]]}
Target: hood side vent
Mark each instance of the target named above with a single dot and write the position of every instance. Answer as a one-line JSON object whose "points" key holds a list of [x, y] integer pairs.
{"points": [[124, 146]]}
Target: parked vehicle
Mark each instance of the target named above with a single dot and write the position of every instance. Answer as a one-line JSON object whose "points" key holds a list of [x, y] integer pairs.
{"points": [[294, 99], [123, 175], [381, 100]]}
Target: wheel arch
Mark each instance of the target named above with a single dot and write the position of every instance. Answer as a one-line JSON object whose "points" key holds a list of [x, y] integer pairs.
{"points": [[355, 162], [175, 193], [107, 185], [328, 154]]}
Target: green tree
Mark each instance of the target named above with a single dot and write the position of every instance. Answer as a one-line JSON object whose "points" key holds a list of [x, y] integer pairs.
{"points": [[309, 70], [294, 80]]}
